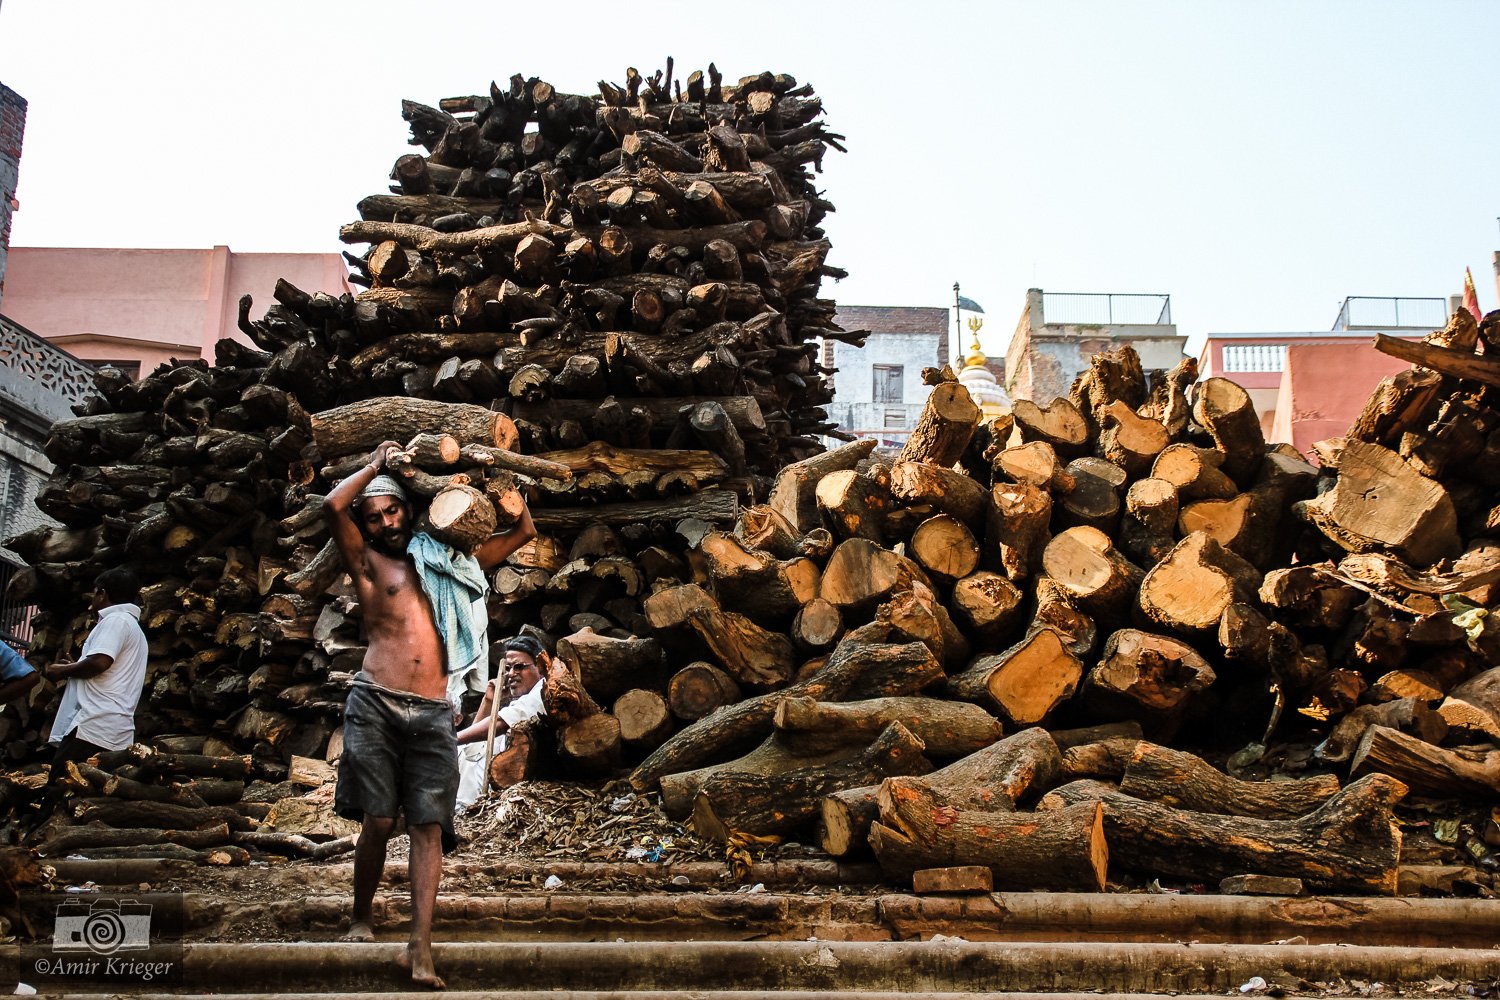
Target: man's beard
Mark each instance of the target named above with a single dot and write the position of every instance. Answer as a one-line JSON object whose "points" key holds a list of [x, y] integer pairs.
{"points": [[390, 543]]}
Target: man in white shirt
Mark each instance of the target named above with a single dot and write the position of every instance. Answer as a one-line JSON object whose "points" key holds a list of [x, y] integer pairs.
{"points": [[103, 686], [525, 666]]}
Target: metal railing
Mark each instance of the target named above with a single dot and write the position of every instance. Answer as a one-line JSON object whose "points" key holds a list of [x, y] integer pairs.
{"points": [[15, 619], [1106, 309], [1386, 312], [24, 354]]}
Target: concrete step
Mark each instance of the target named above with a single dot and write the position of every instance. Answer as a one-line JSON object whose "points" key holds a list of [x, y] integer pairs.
{"points": [[1076, 917], [854, 968]]}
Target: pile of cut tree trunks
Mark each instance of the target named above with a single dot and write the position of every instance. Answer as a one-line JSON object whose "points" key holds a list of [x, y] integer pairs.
{"points": [[992, 652]]}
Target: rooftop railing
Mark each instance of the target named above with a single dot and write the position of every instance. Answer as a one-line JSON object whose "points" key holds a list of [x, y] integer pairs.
{"points": [[1107, 308], [1390, 312], [39, 375]]}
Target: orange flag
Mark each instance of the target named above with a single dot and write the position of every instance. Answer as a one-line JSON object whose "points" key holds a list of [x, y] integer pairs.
{"points": [[1471, 298]]}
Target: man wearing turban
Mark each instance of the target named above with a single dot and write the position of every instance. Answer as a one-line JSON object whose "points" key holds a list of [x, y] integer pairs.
{"points": [[399, 741]]}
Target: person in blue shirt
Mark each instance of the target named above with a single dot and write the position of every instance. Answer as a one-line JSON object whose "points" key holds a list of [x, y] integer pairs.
{"points": [[17, 677]]}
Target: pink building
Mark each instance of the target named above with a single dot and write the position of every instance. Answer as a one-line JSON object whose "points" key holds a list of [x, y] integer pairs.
{"points": [[138, 308], [1310, 386]]}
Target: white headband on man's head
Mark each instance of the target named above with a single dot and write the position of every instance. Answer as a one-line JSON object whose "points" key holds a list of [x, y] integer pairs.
{"points": [[383, 486]]}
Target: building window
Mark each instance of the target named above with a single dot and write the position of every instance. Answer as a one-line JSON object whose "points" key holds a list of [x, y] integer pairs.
{"points": [[888, 383], [1255, 358], [895, 419]]}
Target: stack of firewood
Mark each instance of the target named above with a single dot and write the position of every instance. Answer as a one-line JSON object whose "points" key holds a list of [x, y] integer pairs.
{"points": [[625, 284], [1132, 564]]}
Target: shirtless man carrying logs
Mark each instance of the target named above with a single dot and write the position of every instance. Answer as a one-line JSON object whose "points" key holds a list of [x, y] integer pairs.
{"points": [[399, 739]]}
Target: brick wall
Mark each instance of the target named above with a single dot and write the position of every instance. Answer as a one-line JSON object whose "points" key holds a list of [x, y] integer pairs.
{"points": [[12, 129]]}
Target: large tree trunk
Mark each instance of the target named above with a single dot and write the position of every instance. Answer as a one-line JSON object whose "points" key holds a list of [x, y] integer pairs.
{"points": [[1348, 844], [737, 801], [1184, 781], [361, 426], [1064, 849]]}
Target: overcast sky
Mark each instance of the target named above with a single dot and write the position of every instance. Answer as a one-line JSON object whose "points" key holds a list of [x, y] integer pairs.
{"points": [[1258, 161]]}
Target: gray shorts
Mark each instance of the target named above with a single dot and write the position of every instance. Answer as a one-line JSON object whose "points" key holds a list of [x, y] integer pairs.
{"points": [[400, 753]]}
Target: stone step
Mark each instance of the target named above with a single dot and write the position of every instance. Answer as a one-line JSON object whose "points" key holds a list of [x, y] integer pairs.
{"points": [[533, 916], [856, 968]]}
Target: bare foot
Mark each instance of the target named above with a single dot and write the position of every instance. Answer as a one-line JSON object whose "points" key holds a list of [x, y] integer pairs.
{"points": [[360, 931], [417, 959]]}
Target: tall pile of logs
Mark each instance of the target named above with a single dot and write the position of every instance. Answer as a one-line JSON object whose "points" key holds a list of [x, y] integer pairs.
{"points": [[1125, 567], [608, 304]]}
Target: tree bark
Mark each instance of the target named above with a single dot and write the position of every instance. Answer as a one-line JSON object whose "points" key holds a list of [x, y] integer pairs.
{"points": [[1025, 682], [1348, 844], [1183, 781], [1064, 849], [946, 728]]}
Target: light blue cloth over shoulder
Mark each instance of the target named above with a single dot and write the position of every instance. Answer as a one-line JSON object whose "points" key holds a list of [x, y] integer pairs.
{"points": [[455, 586]]}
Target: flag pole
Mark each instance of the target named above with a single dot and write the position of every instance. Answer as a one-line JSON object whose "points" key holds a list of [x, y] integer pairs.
{"points": [[958, 328]]}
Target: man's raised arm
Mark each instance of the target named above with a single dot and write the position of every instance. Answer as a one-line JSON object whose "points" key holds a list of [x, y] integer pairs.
{"points": [[494, 550], [339, 505]]}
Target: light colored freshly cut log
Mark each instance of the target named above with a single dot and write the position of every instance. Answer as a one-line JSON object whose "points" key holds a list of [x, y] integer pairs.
{"points": [[920, 484], [945, 547], [1188, 591], [1195, 472], [987, 605], [794, 496], [1146, 531], [361, 426], [1035, 463], [845, 818], [1058, 423], [671, 607], [943, 430], [1064, 849], [699, 688], [1397, 684], [1085, 563], [1184, 781], [817, 626], [1018, 529], [460, 516], [1379, 502], [591, 745], [1473, 707], [946, 728], [1026, 682], [853, 504], [645, 722], [1132, 442], [1228, 413], [1146, 677], [1095, 498], [1351, 843], [734, 801], [861, 574], [1426, 769]]}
